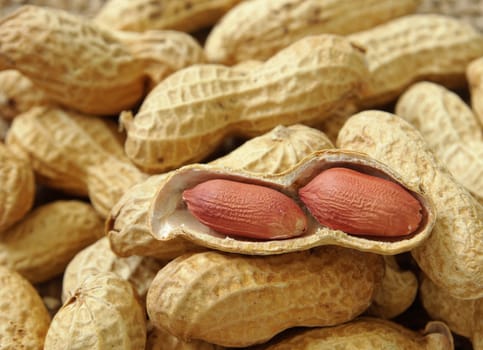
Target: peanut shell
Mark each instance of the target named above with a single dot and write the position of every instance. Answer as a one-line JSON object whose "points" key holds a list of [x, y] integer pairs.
{"points": [[142, 15], [41, 245], [474, 74], [450, 128], [469, 11], [103, 313], [77, 63], [170, 220], [258, 29], [159, 339], [413, 48], [234, 300], [24, 319], [18, 94], [185, 117], [273, 152], [99, 258], [17, 188], [367, 333], [61, 145], [397, 292], [462, 316], [86, 8], [452, 256]]}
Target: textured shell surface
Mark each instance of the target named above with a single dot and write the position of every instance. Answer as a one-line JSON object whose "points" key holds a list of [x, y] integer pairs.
{"points": [[450, 128], [258, 29], [24, 319], [142, 15], [413, 48], [103, 313], [41, 245], [60, 144], [452, 256], [185, 117], [469, 11], [236, 300], [99, 258], [77, 63], [17, 188], [87, 8], [270, 153], [169, 218], [474, 75], [366, 333]]}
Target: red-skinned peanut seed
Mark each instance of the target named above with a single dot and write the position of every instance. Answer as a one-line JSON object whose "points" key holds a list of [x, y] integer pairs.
{"points": [[361, 204], [245, 210]]}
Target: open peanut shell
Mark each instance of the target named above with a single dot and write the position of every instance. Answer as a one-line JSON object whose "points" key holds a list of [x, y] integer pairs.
{"points": [[170, 219]]}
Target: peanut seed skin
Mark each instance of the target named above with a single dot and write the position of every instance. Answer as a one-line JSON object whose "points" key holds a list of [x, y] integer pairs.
{"points": [[357, 203], [246, 210]]}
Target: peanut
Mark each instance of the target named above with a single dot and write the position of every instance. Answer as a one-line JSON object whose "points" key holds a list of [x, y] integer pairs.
{"points": [[474, 74], [24, 320], [366, 333], [99, 258], [463, 317], [452, 256], [18, 94], [195, 296], [413, 48], [185, 117], [397, 292], [83, 65], [141, 15], [361, 204], [257, 29], [245, 210], [17, 188], [41, 245], [103, 313], [171, 220], [159, 339], [128, 224], [469, 11], [450, 128], [68, 151], [80, 7]]}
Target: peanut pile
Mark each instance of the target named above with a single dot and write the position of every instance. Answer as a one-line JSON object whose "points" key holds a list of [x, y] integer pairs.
{"points": [[252, 174]]}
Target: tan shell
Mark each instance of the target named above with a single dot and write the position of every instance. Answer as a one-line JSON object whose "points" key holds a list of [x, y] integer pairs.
{"points": [[450, 128], [41, 245], [86, 8], [416, 47], [17, 188], [469, 11], [474, 74], [99, 258], [162, 52], [257, 29], [24, 320], [366, 333], [181, 15], [452, 256], [159, 339], [77, 63], [102, 314], [397, 292], [185, 117], [273, 152], [61, 144], [4, 126], [333, 123], [234, 300], [107, 181], [462, 316], [18, 94], [169, 218]]}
